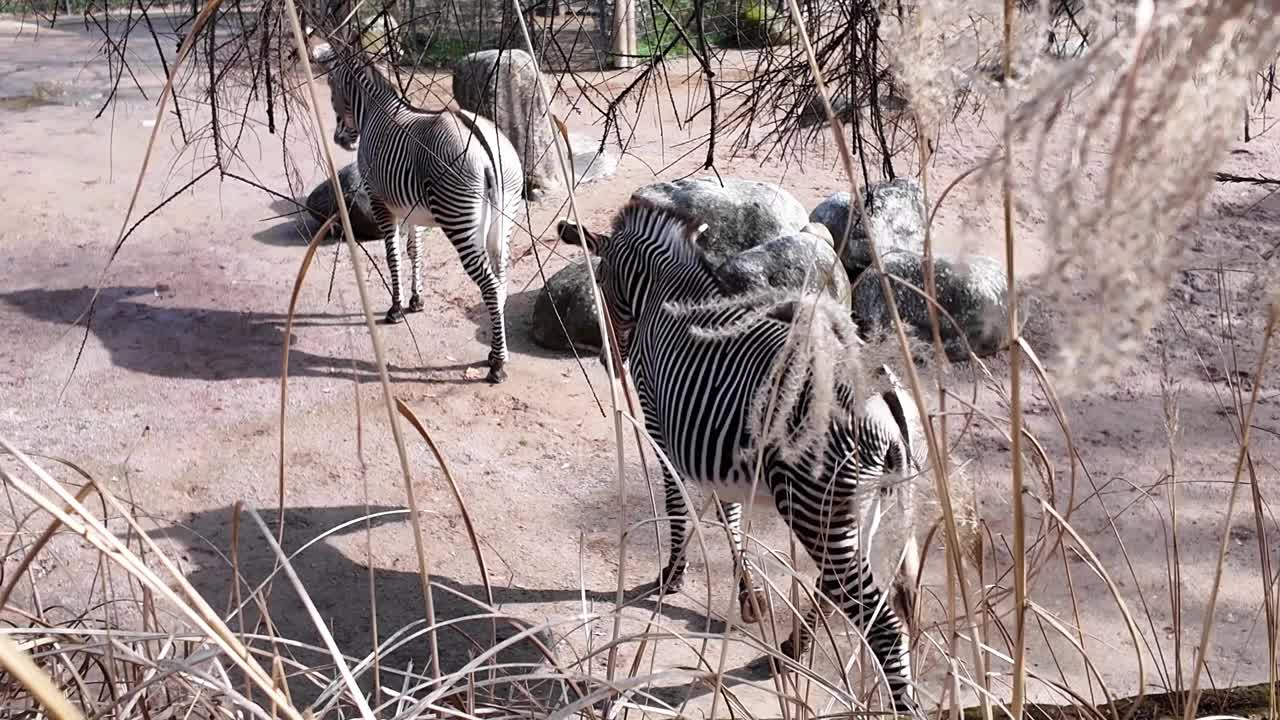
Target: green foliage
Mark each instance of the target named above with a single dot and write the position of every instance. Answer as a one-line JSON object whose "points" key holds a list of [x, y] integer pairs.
{"points": [[78, 7], [655, 44], [435, 52], [657, 31], [760, 25]]}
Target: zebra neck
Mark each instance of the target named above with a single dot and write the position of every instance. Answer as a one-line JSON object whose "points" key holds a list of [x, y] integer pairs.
{"points": [[376, 104], [691, 283]]}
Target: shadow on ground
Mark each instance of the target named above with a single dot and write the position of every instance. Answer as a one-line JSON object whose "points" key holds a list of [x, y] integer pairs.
{"points": [[204, 344], [339, 589]]}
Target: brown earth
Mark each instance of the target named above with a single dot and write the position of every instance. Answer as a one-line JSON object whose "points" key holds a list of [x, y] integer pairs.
{"points": [[175, 401]]}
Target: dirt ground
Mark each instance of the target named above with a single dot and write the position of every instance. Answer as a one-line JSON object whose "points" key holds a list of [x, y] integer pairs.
{"points": [[175, 401]]}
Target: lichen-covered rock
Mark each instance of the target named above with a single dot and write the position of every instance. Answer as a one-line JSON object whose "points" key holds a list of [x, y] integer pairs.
{"points": [[740, 214], [320, 202], [799, 261], [897, 218], [502, 85], [568, 292], [972, 289]]}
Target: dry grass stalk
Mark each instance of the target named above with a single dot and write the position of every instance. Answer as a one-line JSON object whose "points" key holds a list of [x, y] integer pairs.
{"points": [[20, 667], [185, 599], [1015, 400], [424, 571], [307, 257], [352, 688], [1273, 316]]}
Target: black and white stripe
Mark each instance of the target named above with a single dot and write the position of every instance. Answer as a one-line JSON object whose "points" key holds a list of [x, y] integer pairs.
{"points": [[446, 168], [697, 395]]}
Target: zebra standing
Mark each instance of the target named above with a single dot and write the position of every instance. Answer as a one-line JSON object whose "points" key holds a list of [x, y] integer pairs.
{"points": [[446, 168], [698, 395]]}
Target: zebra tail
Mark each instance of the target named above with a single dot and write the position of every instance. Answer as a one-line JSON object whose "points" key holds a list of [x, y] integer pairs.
{"points": [[491, 221]]}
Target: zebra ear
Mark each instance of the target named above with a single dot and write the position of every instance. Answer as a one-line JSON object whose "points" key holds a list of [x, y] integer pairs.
{"points": [[571, 233]]}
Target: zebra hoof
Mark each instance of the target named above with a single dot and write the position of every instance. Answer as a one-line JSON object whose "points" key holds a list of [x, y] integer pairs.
{"points": [[497, 375], [794, 650], [751, 603], [395, 315], [415, 304], [671, 580]]}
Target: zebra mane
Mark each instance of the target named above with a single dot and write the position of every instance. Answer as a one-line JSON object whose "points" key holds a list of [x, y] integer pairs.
{"points": [[667, 229], [360, 66], [383, 83]]}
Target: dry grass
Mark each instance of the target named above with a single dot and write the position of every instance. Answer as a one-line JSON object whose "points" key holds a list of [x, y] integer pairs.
{"points": [[1157, 78]]}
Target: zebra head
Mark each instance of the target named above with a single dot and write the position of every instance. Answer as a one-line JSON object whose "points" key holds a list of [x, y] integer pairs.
{"points": [[342, 89], [648, 244], [354, 85], [344, 95]]}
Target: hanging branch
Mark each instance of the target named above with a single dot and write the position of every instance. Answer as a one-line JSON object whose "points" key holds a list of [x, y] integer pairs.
{"points": [[1223, 177]]}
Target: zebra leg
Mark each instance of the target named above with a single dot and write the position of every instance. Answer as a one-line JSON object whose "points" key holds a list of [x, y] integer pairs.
{"points": [[390, 230], [493, 290], [845, 579], [672, 576], [751, 599], [498, 329], [904, 584], [415, 269]]}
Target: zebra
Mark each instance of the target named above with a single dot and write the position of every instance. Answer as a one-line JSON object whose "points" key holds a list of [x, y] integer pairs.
{"points": [[697, 395], [454, 169]]}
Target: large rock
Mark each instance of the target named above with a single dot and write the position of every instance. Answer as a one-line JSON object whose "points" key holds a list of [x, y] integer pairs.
{"points": [[800, 261], [320, 202], [740, 214], [972, 289], [897, 218], [590, 159], [568, 292], [502, 85]]}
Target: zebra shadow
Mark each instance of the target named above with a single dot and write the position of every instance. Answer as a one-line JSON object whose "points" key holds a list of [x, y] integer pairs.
{"points": [[142, 333], [339, 588]]}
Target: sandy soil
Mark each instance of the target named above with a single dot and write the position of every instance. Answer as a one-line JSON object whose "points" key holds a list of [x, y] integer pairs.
{"points": [[174, 404]]}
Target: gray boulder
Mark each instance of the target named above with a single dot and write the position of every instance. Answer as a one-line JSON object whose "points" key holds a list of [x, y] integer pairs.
{"points": [[590, 160], [320, 203], [502, 85], [740, 214], [799, 261], [897, 218], [972, 289], [568, 292]]}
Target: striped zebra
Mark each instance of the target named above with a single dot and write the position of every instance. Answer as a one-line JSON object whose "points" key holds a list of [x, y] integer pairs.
{"points": [[446, 168], [698, 391]]}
